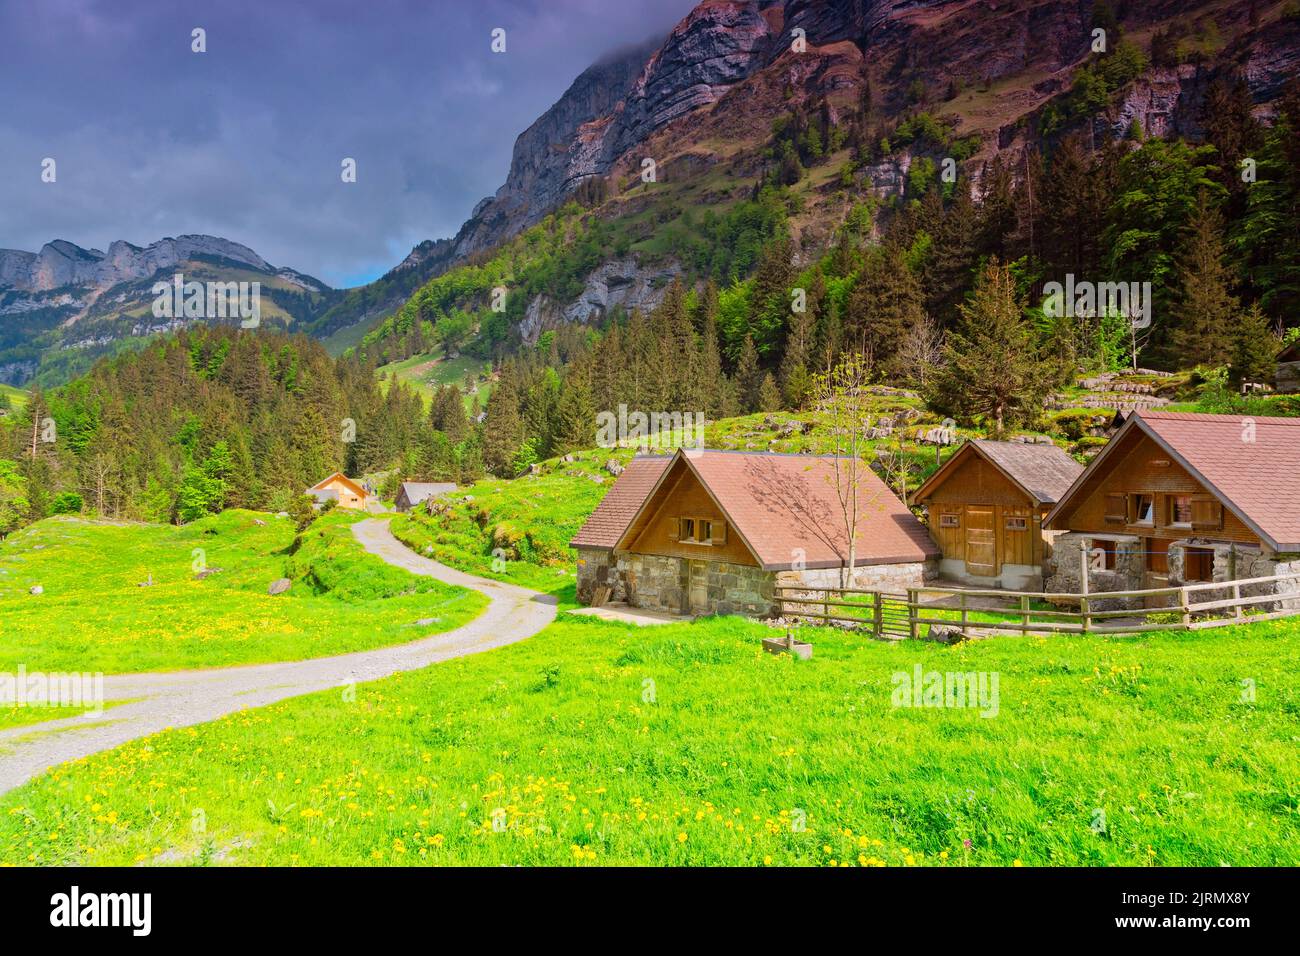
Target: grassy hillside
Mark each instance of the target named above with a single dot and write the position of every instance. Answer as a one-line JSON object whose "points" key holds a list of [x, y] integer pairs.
{"points": [[429, 372], [515, 530], [593, 744], [17, 397], [94, 615]]}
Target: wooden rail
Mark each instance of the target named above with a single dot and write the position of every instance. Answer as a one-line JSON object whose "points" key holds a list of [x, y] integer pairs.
{"points": [[898, 615]]}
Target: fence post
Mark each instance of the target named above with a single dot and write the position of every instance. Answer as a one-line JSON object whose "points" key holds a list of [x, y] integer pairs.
{"points": [[826, 608], [913, 612], [963, 615], [1083, 584], [1184, 599], [1024, 611], [1236, 596], [878, 615]]}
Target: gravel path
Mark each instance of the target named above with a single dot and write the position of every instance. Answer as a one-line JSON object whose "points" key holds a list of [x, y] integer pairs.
{"points": [[182, 698]]}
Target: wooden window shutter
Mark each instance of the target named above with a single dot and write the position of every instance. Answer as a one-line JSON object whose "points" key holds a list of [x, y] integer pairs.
{"points": [[1207, 513], [719, 532], [675, 529], [1117, 508]]}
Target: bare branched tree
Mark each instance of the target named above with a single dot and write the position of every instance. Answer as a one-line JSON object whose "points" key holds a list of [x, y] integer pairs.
{"points": [[842, 397], [922, 351]]}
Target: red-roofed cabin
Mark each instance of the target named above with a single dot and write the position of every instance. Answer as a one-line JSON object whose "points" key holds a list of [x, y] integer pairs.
{"points": [[715, 532], [1178, 499]]}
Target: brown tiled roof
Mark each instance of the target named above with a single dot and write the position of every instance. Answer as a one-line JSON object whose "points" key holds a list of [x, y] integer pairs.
{"points": [[1044, 471], [782, 505], [1260, 479], [1251, 464], [614, 513]]}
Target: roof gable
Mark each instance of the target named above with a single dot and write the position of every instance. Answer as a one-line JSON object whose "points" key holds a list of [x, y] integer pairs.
{"points": [[340, 477], [606, 524], [1252, 465], [786, 510], [1042, 472]]}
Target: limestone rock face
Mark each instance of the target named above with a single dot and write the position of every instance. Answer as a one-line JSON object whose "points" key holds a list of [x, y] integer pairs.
{"points": [[61, 263]]}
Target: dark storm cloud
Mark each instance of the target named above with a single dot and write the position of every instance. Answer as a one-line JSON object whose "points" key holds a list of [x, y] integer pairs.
{"points": [[245, 141]]}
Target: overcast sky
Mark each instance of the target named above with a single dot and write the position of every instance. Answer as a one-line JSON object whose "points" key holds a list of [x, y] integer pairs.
{"points": [[245, 141]]}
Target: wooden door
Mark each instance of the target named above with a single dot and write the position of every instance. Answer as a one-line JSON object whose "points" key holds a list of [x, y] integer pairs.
{"points": [[698, 587], [981, 542], [1157, 555]]}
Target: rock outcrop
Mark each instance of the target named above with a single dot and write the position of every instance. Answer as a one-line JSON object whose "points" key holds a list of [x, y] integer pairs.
{"points": [[61, 263]]}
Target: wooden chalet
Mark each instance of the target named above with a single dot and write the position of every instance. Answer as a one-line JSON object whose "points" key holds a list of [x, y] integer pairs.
{"points": [[1182, 498], [986, 506], [717, 532]]}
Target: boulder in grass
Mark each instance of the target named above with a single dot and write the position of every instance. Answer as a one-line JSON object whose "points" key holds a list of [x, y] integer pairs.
{"points": [[36, 589], [613, 467], [279, 586]]}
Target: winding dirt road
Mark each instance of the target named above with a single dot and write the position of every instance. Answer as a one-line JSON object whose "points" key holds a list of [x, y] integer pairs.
{"points": [[183, 698]]}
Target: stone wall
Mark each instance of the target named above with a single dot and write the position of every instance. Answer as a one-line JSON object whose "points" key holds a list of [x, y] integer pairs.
{"points": [[596, 569], [895, 578], [741, 589], [1065, 570], [653, 581], [871, 577], [1236, 562], [661, 583]]}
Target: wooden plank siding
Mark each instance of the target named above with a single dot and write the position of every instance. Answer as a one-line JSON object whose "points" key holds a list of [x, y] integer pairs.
{"points": [[682, 495], [974, 487], [1144, 468]]}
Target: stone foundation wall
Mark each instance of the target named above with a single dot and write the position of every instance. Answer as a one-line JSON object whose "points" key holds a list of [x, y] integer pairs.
{"points": [[1235, 562], [1065, 570], [742, 589], [871, 577], [652, 581], [661, 583], [596, 569], [896, 578]]}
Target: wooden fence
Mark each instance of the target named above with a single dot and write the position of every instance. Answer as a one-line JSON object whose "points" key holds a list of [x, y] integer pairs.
{"points": [[898, 615]]}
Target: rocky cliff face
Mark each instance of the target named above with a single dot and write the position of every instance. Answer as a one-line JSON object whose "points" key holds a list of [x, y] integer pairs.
{"points": [[620, 102], [741, 50], [61, 263], [68, 301]]}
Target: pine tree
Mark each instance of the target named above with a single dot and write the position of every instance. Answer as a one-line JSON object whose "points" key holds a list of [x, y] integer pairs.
{"points": [[749, 377], [709, 364], [1267, 241], [1255, 348], [769, 396], [992, 363], [885, 303], [1205, 307], [503, 430]]}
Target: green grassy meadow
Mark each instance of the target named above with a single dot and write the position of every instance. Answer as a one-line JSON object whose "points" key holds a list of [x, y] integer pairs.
{"points": [[515, 530], [17, 396], [94, 615], [427, 373], [593, 744]]}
